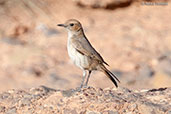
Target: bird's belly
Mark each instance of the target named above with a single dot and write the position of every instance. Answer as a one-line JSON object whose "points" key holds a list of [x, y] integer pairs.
{"points": [[78, 59]]}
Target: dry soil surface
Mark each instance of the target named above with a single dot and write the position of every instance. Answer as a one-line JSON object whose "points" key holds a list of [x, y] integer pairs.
{"points": [[44, 100]]}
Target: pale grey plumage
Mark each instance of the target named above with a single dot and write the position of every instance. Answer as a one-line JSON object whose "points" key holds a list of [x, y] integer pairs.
{"points": [[82, 52]]}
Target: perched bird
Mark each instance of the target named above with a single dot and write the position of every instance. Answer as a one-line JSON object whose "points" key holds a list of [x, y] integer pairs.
{"points": [[82, 52]]}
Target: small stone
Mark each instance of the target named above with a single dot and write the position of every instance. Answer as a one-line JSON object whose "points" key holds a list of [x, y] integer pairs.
{"points": [[5, 95], [68, 93], [36, 96], [24, 102], [132, 106]]}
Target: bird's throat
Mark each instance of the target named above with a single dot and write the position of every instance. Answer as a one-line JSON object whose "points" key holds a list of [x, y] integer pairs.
{"points": [[74, 34]]}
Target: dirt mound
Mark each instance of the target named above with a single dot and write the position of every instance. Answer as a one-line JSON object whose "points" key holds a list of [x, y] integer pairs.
{"points": [[44, 100]]}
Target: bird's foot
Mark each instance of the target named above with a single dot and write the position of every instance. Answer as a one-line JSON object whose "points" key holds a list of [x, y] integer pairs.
{"points": [[83, 86]]}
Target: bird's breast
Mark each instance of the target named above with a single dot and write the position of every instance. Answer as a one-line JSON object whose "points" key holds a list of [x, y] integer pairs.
{"points": [[78, 59]]}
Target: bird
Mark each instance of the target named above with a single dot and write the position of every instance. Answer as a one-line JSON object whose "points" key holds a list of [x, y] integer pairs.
{"points": [[83, 54]]}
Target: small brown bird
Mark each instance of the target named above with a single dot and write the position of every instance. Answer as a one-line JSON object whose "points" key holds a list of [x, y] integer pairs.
{"points": [[82, 52]]}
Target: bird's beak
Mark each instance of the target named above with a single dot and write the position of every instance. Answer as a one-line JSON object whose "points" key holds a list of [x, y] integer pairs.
{"points": [[61, 25]]}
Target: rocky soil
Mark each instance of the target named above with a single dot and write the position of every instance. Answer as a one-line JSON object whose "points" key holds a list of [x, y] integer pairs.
{"points": [[44, 100]]}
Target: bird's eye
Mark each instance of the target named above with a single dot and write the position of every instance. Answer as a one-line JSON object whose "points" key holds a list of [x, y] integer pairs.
{"points": [[71, 24]]}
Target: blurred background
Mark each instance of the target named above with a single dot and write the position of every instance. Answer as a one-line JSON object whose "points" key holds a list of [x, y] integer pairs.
{"points": [[133, 36]]}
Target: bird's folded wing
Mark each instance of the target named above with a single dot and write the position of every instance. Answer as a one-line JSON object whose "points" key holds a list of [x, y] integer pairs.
{"points": [[86, 49]]}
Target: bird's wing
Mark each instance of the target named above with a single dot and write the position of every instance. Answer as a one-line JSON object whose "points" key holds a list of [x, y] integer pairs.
{"points": [[84, 47]]}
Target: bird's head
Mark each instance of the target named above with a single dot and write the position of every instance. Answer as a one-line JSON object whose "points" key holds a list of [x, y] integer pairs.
{"points": [[72, 25]]}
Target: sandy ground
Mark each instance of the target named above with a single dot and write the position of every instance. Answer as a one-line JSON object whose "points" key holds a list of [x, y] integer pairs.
{"points": [[44, 100]]}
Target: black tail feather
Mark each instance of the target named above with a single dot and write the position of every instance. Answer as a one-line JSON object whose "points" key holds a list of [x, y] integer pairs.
{"points": [[111, 77]]}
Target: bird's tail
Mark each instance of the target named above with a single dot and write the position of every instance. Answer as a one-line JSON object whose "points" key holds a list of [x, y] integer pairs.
{"points": [[109, 74]]}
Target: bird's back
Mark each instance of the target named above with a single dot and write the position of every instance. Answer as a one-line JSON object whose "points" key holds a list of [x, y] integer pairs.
{"points": [[90, 49]]}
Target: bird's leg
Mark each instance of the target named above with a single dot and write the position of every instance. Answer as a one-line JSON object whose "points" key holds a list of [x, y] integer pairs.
{"points": [[84, 76], [89, 72]]}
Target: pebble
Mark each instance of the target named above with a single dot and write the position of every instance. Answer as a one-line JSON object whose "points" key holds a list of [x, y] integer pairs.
{"points": [[132, 106], [24, 102]]}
